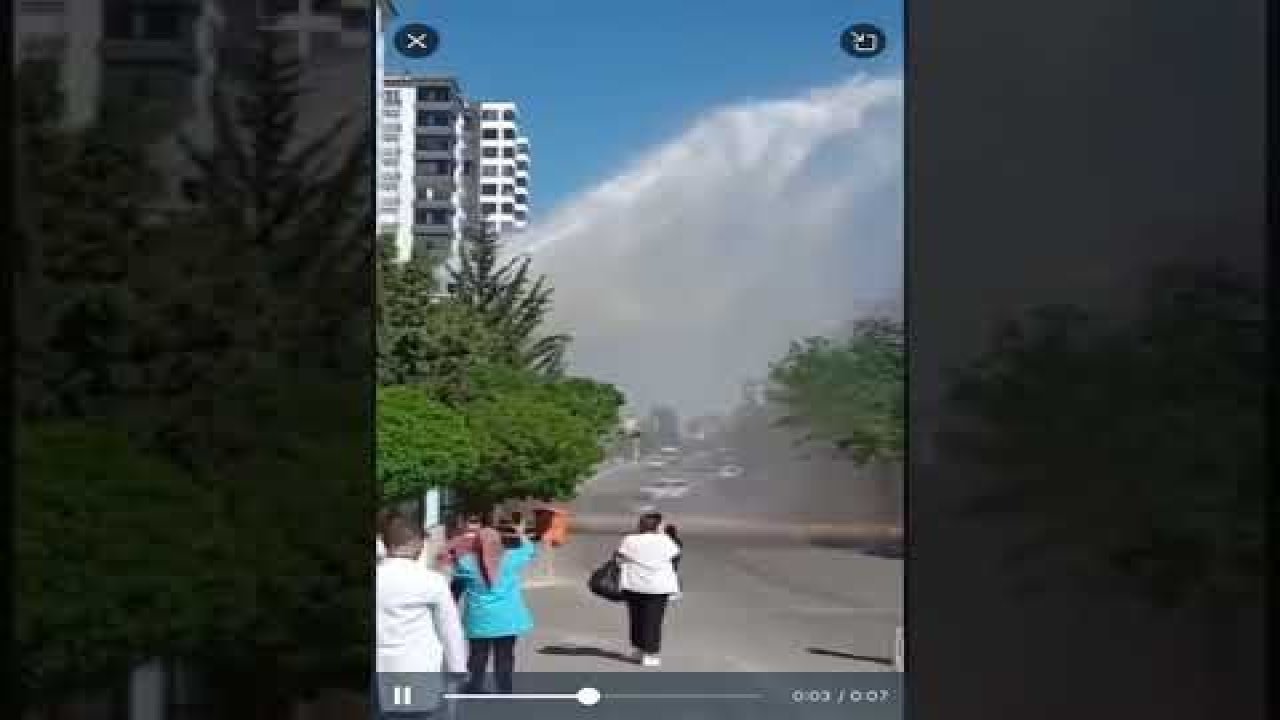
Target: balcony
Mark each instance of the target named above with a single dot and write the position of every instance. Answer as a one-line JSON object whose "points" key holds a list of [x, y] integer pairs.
{"points": [[449, 106], [433, 154]]}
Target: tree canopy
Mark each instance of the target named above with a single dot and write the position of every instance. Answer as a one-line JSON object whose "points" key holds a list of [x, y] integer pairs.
{"points": [[848, 392], [1134, 447], [473, 369], [422, 443]]}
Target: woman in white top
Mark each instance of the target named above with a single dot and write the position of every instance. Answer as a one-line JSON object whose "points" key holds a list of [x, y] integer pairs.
{"points": [[648, 580]]}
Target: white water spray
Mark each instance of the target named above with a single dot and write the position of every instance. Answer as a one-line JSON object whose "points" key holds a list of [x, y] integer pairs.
{"points": [[763, 222]]}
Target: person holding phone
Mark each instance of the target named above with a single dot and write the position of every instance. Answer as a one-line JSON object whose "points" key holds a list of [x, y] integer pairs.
{"points": [[491, 575]]}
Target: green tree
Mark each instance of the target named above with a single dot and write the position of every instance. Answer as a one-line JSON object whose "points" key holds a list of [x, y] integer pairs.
{"points": [[1134, 448], [596, 403], [426, 338], [116, 555], [530, 447], [83, 221], [422, 443], [510, 300], [240, 410], [850, 393]]}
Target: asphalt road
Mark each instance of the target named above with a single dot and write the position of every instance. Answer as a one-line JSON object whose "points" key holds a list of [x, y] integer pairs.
{"points": [[762, 593]]}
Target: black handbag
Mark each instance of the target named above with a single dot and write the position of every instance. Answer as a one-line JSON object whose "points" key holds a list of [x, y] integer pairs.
{"points": [[606, 581]]}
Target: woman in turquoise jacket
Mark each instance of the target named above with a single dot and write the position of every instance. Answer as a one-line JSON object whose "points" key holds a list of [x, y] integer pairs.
{"points": [[491, 575]]}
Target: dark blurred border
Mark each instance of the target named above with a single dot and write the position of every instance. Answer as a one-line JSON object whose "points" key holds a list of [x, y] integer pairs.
{"points": [[1087, 293], [193, 325]]}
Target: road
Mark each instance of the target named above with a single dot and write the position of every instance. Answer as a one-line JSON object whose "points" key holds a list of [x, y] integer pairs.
{"points": [[765, 589]]}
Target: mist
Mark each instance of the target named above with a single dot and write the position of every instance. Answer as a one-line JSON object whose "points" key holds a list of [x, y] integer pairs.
{"points": [[764, 221]]}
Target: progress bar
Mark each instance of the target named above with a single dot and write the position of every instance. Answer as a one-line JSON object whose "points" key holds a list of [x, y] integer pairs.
{"points": [[591, 696]]}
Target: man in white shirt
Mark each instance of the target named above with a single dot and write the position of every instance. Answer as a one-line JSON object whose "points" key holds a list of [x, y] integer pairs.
{"points": [[648, 579], [417, 625]]}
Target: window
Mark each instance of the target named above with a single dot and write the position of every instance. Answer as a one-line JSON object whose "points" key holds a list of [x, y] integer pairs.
{"points": [[391, 98], [325, 41], [489, 171], [390, 127], [522, 147], [522, 200], [390, 160], [391, 111], [434, 118], [522, 182], [489, 189], [508, 152], [434, 94], [434, 168], [509, 133], [466, 167], [489, 133], [489, 115], [508, 171], [162, 23], [326, 7], [509, 115], [522, 215], [522, 165], [280, 7], [117, 19], [489, 152], [508, 190], [388, 186], [355, 18], [431, 216], [436, 144], [508, 208], [42, 7], [488, 208]]}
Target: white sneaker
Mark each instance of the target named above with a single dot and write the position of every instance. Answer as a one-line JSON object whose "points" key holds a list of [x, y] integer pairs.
{"points": [[651, 661]]}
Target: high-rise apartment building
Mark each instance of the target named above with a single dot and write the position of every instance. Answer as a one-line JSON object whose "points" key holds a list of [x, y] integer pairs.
{"points": [[501, 156], [423, 164], [444, 163]]}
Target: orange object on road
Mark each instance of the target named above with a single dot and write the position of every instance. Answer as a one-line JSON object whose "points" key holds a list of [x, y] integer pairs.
{"points": [[553, 524]]}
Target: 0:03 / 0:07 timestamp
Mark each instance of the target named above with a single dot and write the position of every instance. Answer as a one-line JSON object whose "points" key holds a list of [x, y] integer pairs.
{"points": [[841, 696]]}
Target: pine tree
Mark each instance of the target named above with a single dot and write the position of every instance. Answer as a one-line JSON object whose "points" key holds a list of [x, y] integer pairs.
{"points": [[84, 195], [510, 300]]}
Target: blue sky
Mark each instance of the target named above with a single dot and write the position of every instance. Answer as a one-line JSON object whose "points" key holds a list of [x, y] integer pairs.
{"points": [[600, 81]]}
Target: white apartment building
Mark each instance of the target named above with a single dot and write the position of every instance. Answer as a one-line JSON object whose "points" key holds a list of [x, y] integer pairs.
{"points": [[502, 158], [68, 32], [423, 165]]}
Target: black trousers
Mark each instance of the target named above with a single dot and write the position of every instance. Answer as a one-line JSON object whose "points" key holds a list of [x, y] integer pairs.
{"points": [[645, 611], [503, 650]]}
